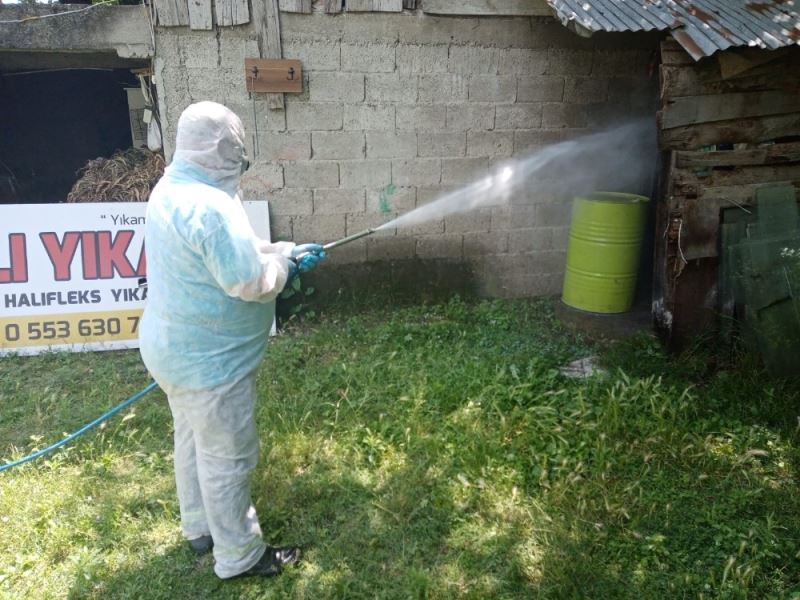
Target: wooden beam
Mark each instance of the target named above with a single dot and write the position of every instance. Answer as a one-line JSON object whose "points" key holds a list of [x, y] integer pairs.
{"points": [[172, 13], [266, 18], [736, 131], [681, 81], [231, 12], [410, 4], [200, 14], [374, 5], [333, 6], [295, 6], [773, 154], [692, 110], [523, 8]]}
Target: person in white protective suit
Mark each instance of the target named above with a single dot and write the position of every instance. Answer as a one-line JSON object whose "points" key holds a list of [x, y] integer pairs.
{"points": [[211, 287]]}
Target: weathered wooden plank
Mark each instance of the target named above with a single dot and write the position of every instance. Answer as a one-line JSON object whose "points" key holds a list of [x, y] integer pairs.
{"points": [[172, 13], [231, 12], [295, 6], [687, 179], [333, 6], [374, 5], [526, 8], [751, 131], [200, 14], [682, 81], [266, 18], [690, 110], [672, 53], [410, 4], [775, 153]]}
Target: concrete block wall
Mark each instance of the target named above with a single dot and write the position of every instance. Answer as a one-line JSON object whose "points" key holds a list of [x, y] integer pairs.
{"points": [[424, 104]]}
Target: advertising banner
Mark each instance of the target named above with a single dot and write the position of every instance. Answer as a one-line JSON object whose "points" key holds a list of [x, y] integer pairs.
{"points": [[71, 275]]}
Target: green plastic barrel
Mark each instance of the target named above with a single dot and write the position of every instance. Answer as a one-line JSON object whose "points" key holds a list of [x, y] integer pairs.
{"points": [[605, 242]]}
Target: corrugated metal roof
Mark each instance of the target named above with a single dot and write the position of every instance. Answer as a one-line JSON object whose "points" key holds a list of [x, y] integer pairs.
{"points": [[701, 26]]}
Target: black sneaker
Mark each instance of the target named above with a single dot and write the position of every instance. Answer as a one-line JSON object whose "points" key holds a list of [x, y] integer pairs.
{"points": [[273, 561], [201, 545]]}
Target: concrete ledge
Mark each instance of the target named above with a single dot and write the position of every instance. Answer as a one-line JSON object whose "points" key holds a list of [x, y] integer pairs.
{"points": [[57, 28]]}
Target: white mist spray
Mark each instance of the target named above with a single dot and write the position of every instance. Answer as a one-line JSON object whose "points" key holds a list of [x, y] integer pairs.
{"points": [[620, 159]]}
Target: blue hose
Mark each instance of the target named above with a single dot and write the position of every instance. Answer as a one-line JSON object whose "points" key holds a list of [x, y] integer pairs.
{"points": [[83, 429]]}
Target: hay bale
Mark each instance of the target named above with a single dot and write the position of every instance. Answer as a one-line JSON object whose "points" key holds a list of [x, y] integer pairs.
{"points": [[128, 176]]}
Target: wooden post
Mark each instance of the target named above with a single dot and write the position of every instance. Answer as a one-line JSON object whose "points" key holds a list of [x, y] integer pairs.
{"points": [[267, 20]]}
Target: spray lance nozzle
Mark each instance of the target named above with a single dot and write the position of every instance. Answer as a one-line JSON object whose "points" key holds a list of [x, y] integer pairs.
{"points": [[341, 242]]}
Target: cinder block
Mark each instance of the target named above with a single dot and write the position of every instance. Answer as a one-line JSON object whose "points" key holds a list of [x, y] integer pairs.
{"points": [[523, 61], [529, 141], [401, 200], [459, 171], [266, 119], [621, 62], [261, 179], [337, 144], [557, 116], [368, 58], [429, 227], [419, 171], [492, 88], [466, 117], [313, 116], [416, 58], [314, 27], [485, 244], [290, 202], [318, 227], [553, 214], [281, 228], [316, 55], [336, 87], [338, 201], [585, 90], [311, 174], [391, 87], [473, 221], [490, 143], [349, 254], [375, 117], [522, 241], [390, 248], [518, 116], [560, 237], [569, 62], [420, 118], [513, 216], [233, 51], [548, 261], [365, 173], [440, 246], [441, 144], [391, 144], [544, 88], [443, 88], [369, 27], [474, 60], [275, 145], [357, 223], [199, 50], [495, 31]]}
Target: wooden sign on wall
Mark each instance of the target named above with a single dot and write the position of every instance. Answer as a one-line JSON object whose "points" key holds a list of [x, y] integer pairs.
{"points": [[273, 75]]}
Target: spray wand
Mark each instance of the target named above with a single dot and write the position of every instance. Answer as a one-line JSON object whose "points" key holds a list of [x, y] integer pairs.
{"points": [[341, 242]]}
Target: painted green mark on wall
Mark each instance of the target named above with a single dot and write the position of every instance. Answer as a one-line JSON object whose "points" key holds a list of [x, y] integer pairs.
{"points": [[386, 193]]}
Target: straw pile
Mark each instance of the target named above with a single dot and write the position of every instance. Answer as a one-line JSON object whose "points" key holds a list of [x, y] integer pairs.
{"points": [[128, 176]]}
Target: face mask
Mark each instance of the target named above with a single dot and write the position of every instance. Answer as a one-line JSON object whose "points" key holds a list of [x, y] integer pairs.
{"points": [[245, 164]]}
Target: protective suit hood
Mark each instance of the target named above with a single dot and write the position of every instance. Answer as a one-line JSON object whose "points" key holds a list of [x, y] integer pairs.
{"points": [[210, 146]]}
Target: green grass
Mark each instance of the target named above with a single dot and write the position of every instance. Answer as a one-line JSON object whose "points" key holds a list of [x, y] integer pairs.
{"points": [[423, 452]]}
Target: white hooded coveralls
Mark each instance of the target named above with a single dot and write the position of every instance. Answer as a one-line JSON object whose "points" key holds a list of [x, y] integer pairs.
{"points": [[211, 290]]}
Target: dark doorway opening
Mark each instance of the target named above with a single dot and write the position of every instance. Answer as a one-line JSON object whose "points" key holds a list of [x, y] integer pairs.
{"points": [[53, 122]]}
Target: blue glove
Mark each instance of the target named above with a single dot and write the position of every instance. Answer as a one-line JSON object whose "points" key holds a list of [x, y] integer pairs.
{"points": [[306, 256]]}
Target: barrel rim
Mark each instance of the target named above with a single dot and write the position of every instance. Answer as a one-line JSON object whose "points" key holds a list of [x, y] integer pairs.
{"points": [[614, 198]]}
